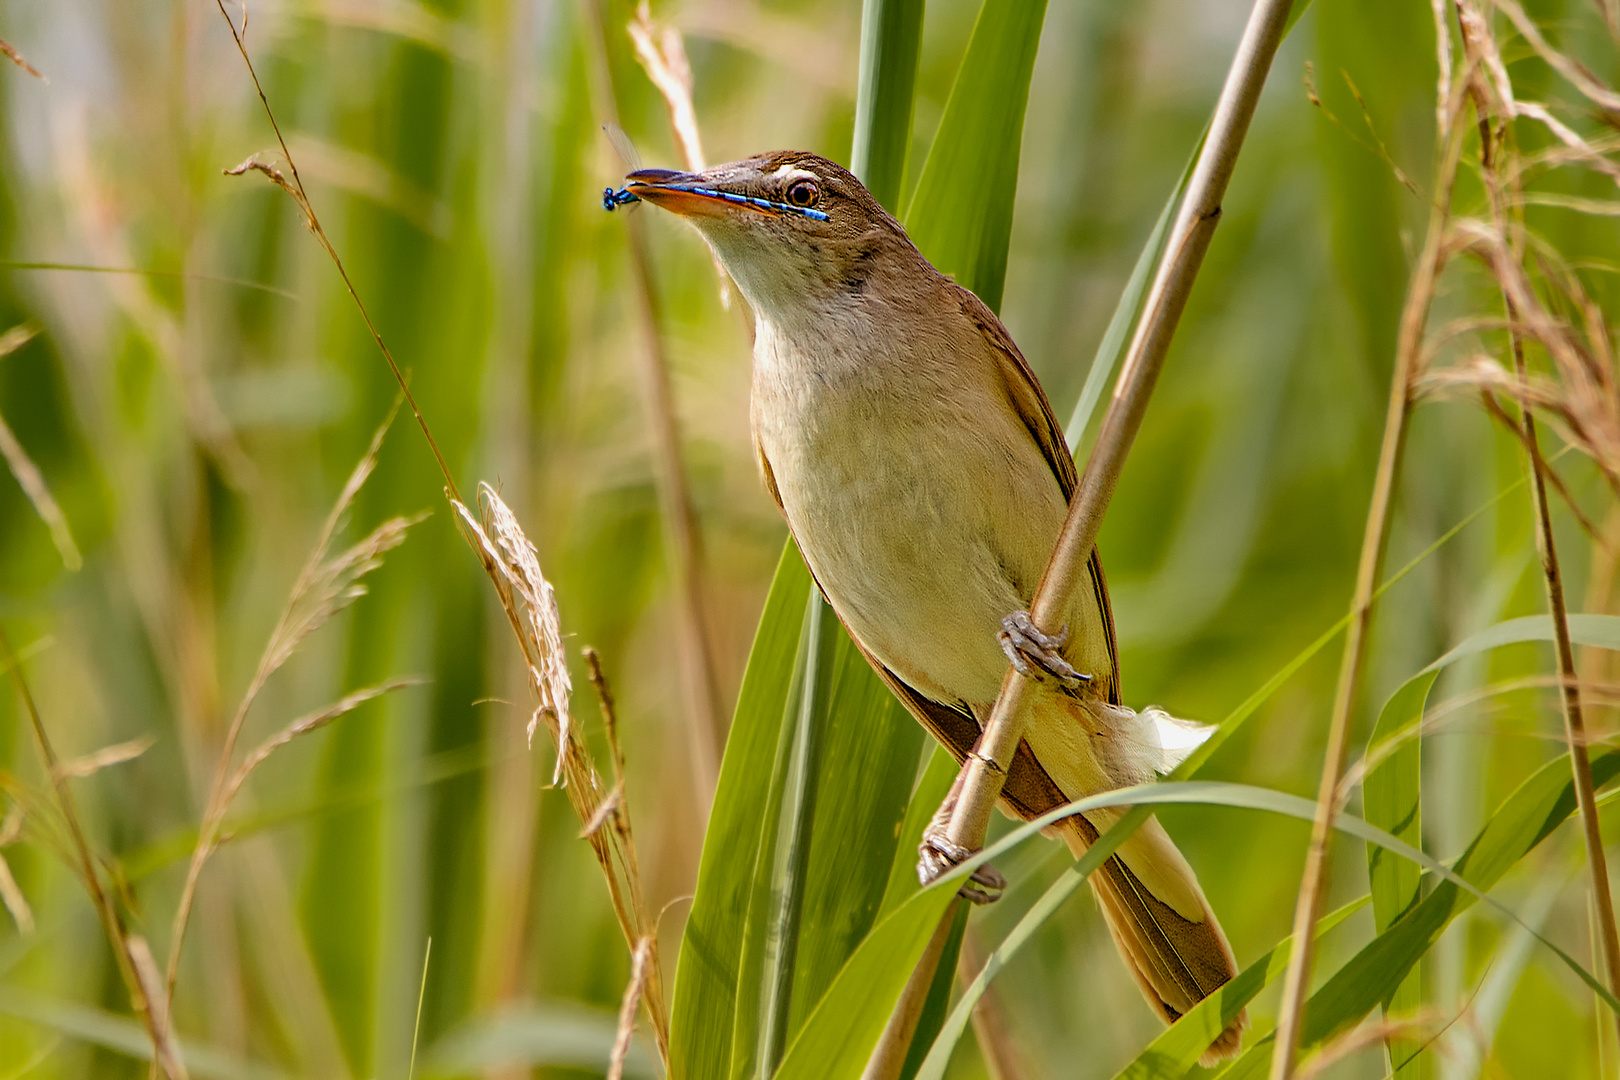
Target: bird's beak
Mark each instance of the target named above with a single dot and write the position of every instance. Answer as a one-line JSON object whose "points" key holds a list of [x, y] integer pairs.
{"points": [[692, 195]]}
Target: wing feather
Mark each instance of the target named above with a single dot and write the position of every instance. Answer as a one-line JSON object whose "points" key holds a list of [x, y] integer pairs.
{"points": [[1027, 397]]}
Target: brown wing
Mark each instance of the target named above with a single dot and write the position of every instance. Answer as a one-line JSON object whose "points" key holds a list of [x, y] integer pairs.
{"points": [[769, 477], [1029, 790], [1026, 395]]}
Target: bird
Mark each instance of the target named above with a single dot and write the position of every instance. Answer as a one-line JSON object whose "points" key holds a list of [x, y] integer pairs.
{"points": [[925, 478]]}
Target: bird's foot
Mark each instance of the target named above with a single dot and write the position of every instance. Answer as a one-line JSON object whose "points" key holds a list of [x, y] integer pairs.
{"points": [[1035, 654], [938, 856]]}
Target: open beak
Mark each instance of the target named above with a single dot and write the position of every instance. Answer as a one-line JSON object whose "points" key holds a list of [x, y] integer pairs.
{"points": [[691, 194]]}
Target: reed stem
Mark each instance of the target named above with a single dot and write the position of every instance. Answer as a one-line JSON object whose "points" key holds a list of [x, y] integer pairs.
{"points": [[1409, 347], [986, 770]]}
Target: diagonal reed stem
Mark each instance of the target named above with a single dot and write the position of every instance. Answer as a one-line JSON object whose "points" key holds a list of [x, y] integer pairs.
{"points": [[1408, 354], [986, 769]]}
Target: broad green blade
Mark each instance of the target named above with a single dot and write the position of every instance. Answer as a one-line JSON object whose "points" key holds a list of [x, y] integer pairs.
{"points": [[1391, 800], [770, 928], [1178, 1047], [839, 1035], [870, 757], [837, 1038], [819, 874], [1390, 792], [770, 932], [960, 216], [932, 787], [1525, 819], [1111, 349], [938, 1002], [891, 40], [707, 971]]}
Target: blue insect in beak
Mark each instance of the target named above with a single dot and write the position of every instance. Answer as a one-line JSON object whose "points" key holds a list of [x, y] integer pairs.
{"points": [[622, 197]]}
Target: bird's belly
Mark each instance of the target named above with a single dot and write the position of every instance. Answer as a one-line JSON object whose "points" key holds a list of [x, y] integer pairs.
{"points": [[924, 532]]}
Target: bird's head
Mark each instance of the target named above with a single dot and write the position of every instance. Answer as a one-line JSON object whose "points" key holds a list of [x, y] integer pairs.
{"points": [[794, 230]]}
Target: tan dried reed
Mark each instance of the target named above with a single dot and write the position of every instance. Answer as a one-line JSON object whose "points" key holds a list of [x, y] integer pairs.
{"points": [[513, 567]]}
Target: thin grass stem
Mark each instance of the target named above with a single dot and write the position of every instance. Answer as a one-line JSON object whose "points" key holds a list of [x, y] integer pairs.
{"points": [[705, 728], [1409, 347], [295, 188], [1492, 160], [163, 1055]]}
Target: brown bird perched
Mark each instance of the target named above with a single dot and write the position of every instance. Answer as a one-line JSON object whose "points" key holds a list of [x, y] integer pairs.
{"points": [[925, 478]]}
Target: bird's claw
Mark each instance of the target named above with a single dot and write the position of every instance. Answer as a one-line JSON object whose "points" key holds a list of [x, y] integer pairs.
{"points": [[1035, 654], [938, 856]]}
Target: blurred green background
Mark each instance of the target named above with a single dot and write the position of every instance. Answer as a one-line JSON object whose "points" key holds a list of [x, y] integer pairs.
{"points": [[196, 421]]}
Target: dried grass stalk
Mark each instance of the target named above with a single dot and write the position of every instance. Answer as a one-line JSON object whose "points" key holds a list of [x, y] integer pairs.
{"points": [[1409, 352], [640, 970], [83, 860], [116, 754], [1546, 311], [1590, 383], [22, 466], [325, 586], [165, 1048], [513, 567], [12, 896], [663, 55], [10, 53], [699, 683]]}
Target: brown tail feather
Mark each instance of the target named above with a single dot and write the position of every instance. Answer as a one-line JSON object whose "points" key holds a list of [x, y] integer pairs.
{"points": [[1176, 960]]}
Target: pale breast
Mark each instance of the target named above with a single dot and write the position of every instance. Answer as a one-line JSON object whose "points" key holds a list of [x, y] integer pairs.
{"points": [[920, 501]]}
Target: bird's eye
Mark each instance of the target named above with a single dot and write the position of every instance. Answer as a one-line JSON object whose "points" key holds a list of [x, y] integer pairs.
{"points": [[803, 193]]}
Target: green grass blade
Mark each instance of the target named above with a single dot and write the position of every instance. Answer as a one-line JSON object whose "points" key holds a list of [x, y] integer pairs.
{"points": [[960, 216], [1391, 798], [871, 749], [829, 901], [1404, 710], [1236, 795], [1525, 819], [932, 787], [891, 41], [936, 1006], [707, 971], [836, 1039], [839, 1034], [126, 1036], [1179, 1046], [554, 1034], [1391, 793], [1227, 728], [1111, 349], [771, 931]]}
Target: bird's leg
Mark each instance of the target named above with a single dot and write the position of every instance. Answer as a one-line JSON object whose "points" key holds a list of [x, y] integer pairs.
{"points": [[937, 855], [1036, 654]]}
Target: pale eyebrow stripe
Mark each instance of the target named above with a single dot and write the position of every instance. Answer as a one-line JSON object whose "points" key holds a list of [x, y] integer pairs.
{"points": [[793, 172]]}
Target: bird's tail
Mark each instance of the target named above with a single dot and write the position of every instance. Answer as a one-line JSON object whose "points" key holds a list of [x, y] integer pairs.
{"points": [[1161, 923]]}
